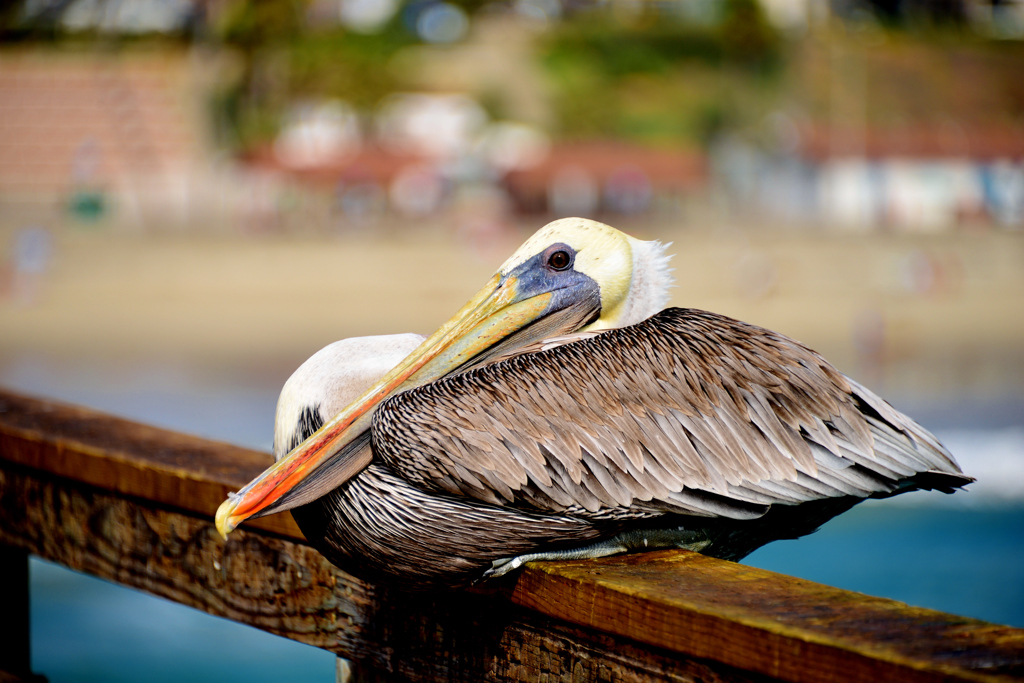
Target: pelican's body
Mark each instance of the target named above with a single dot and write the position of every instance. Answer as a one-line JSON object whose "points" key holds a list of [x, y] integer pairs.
{"points": [[377, 525], [559, 414]]}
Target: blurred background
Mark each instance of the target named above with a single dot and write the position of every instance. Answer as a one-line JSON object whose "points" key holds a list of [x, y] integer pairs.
{"points": [[196, 195]]}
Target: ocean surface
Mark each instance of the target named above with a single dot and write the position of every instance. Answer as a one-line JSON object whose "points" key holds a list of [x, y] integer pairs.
{"points": [[962, 554]]}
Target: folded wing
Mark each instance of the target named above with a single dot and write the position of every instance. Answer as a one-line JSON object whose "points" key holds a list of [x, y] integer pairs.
{"points": [[687, 412]]}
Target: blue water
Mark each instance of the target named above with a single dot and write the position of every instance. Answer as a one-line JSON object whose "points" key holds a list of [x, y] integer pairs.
{"points": [[86, 630], [964, 561], [966, 557]]}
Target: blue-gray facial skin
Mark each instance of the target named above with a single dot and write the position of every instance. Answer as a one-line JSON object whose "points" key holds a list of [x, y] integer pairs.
{"points": [[552, 271]]}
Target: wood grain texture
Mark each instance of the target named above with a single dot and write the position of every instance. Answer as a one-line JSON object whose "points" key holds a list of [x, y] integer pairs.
{"points": [[134, 505], [288, 589], [136, 460], [770, 623]]}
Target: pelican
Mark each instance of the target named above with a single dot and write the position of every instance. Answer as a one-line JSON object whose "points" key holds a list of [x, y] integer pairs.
{"points": [[560, 414]]}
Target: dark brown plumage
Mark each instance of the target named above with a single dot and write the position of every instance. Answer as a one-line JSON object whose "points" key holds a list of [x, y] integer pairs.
{"points": [[689, 422], [554, 417]]}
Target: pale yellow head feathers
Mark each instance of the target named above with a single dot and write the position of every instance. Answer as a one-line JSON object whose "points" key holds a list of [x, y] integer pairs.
{"points": [[633, 275]]}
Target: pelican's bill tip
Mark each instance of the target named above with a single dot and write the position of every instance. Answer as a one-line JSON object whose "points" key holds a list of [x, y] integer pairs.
{"points": [[225, 522]]}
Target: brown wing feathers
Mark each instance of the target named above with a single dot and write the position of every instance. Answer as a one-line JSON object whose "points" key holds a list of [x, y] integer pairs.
{"points": [[687, 411]]}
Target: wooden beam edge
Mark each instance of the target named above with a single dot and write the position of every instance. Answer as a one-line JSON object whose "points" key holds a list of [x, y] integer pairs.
{"points": [[128, 473], [596, 595], [541, 588], [290, 590]]}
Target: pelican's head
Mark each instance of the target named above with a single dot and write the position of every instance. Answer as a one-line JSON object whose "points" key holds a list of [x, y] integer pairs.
{"points": [[631, 277], [573, 274]]}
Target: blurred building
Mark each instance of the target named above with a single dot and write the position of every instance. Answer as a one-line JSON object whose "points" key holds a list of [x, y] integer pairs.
{"points": [[408, 160], [926, 178], [362, 185], [100, 134], [605, 177], [514, 161]]}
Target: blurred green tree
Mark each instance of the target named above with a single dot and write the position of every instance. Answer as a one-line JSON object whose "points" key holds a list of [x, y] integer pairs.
{"points": [[285, 59], [662, 74]]}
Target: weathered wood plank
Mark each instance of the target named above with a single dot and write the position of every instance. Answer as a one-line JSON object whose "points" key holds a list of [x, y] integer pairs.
{"points": [[770, 623], [130, 458], [669, 610], [287, 588]]}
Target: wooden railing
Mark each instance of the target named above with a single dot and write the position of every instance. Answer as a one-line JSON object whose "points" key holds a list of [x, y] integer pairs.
{"points": [[134, 504]]}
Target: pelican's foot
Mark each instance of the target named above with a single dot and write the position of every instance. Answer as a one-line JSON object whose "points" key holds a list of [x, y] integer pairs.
{"points": [[603, 549], [627, 541]]}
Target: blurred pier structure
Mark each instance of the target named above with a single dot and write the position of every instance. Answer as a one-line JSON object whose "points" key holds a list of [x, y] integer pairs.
{"points": [[134, 505]]}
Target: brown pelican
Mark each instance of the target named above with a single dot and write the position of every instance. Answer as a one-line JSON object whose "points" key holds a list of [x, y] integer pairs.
{"points": [[559, 414]]}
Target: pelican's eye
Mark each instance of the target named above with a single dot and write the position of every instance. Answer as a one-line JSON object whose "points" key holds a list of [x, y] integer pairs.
{"points": [[560, 260]]}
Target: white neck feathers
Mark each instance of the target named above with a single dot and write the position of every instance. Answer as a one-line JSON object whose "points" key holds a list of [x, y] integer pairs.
{"points": [[650, 284]]}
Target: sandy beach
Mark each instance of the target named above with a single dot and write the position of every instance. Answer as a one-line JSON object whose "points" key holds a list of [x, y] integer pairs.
{"points": [[936, 314]]}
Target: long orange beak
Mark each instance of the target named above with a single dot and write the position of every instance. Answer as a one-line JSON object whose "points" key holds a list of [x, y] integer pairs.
{"points": [[492, 315]]}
